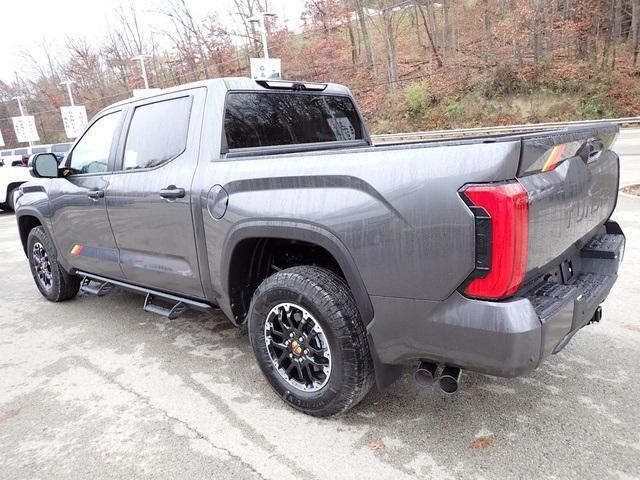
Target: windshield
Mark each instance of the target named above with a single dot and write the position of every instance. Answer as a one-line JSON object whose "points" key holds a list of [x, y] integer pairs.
{"points": [[264, 119]]}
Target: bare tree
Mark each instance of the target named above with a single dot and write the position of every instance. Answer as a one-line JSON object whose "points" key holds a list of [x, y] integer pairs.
{"points": [[366, 38]]}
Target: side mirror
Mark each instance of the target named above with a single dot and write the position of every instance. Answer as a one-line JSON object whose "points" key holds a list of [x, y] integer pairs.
{"points": [[43, 165]]}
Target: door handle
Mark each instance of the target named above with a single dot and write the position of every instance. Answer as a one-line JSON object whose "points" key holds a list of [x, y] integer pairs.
{"points": [[172, 192], [95, 194]]}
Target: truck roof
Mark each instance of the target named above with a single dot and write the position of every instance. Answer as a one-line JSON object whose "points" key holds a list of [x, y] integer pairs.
{"points": [[239, 83]]}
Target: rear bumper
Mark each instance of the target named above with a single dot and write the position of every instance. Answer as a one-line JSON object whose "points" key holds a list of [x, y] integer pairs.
{"points": [[506, 338]]}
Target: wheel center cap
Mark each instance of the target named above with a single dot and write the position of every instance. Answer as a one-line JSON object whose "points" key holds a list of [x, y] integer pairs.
{"points": [[296, 348]]}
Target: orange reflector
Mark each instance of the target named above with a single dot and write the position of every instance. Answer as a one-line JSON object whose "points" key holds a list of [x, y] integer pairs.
{"points": [[555, 156]]}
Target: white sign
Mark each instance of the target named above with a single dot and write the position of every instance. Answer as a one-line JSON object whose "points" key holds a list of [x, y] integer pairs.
{"points": [[1, 140], [25, 128], [266, 68], [74, 120]]}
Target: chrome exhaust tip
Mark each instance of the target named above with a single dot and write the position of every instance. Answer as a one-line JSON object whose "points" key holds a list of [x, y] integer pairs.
{"points": [[425, 374], [449, 380]]}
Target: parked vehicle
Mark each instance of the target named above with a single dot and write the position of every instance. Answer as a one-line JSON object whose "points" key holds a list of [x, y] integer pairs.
{"points": [[18, 157], [60, 150], [13, 174], [347, 261], [3, 154]]}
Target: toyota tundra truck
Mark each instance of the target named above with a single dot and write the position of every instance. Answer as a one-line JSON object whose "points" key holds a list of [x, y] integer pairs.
{"points": [[347, 260]]}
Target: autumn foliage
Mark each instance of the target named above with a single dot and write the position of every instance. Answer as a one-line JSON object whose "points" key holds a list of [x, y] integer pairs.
{"points": [[413, 65]]}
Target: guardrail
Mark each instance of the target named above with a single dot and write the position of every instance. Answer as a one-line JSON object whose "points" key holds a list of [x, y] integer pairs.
{"points": [[465, 132]]}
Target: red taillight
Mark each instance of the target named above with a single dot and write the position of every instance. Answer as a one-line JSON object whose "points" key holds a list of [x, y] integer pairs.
{"points": [[508, 208]]}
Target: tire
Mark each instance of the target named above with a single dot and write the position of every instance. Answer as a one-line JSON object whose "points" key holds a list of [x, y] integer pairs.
{"points": [[340, 376], [11, 201], [54, 283]]}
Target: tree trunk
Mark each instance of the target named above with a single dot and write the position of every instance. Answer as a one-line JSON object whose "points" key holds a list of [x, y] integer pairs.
{"points": [[487, 33], [430, 35], [390, 43], [366, 39], [352, 41], [635, 30], [445, 26], [617, 29]]}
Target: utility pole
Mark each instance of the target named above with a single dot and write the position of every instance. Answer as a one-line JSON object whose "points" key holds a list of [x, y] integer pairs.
{"points": [[141, 58], [68, 84], [19, 99], [259, 19]]}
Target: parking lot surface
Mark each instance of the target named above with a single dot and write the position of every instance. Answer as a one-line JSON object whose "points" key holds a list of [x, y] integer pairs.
{"points": [[98, 388]]}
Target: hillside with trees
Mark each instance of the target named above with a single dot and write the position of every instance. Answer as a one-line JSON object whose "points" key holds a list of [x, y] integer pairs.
{"points": [[412, 65]]}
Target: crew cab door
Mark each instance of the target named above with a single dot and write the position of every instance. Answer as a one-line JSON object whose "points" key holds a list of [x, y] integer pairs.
{"points": [[80, 224], [149, 195]]}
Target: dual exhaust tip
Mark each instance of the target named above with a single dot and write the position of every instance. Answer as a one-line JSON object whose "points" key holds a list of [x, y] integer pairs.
{"points": [[448, 381]]}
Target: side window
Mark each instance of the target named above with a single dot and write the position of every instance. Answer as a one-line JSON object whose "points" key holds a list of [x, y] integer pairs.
{"points": [[157, 134], [91, 154]]}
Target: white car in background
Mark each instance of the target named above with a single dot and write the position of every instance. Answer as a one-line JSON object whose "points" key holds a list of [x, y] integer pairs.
{"points": [[14, 172]]}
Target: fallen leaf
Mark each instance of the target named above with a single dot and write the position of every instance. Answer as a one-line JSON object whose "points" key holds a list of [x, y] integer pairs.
{"points": [[10, 414], [377, 446], [480, 442], [632, 327]]}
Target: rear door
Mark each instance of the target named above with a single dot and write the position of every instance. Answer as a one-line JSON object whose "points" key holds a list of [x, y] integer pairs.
{"points": [[149, 196]]}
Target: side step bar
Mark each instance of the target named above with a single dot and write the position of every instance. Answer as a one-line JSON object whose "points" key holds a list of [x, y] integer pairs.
{"points": [[176, 305], [171, 313], [101, 289]]}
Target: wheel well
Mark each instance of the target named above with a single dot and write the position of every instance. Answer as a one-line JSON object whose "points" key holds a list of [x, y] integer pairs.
{"points": [[26, 223], [10, 187], [254, 259]]}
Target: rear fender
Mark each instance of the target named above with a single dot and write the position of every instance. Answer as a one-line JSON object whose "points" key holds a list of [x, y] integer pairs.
{"points": [[303, 232]]}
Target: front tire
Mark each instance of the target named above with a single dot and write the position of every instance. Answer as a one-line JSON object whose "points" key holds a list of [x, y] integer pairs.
{"points": [[309, 340], [54, 283], [11, 199]]}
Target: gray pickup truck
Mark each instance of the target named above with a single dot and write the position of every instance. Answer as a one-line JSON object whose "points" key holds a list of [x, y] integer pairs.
{"points": [[267, 200]]}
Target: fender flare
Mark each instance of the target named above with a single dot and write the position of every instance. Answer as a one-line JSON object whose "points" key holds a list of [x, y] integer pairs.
{"points": [[28, 211], [307, 232]]}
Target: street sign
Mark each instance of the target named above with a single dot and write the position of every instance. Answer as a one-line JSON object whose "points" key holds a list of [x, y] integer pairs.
{"points": [[25, 128], [1, 140], [74, 120], [266, 68]]}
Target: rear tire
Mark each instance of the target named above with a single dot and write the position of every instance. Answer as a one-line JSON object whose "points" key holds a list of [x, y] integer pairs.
{"points": [[308, 316], [54, 283]]}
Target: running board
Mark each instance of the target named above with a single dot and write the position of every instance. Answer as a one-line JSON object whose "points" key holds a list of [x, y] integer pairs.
{"points": [[176, 305], [171, 313], [100, 290]]}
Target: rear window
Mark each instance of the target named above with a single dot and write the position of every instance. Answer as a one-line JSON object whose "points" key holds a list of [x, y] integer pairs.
{"points": [[266, 119], [38, 149], [158, 133], [20, 151], [6, 152], [61, 148]]}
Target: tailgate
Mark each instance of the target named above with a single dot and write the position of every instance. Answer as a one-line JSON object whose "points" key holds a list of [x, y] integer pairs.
{"points": [[571, 178]]}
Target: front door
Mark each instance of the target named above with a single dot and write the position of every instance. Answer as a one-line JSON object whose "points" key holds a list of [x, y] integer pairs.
{"points": [[149, 194], [77, 201]]}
